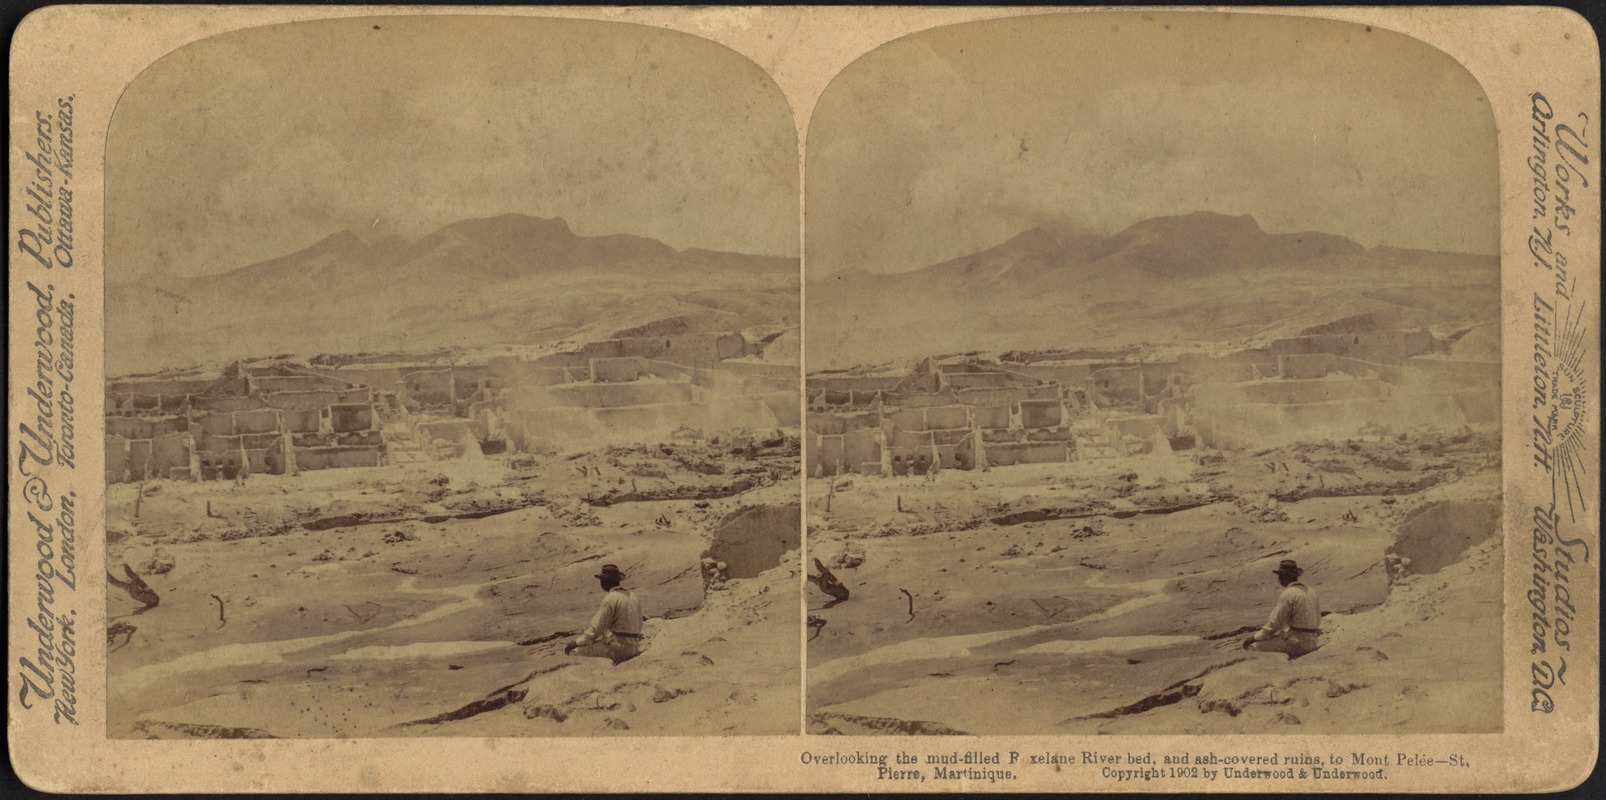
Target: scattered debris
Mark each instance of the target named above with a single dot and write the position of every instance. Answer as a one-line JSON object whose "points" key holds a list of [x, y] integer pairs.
{"points": [[194, 731], [123, 629], [851, 557], [136, 588], [828, 583], [662, 695], [158, 564], [816, 625]]}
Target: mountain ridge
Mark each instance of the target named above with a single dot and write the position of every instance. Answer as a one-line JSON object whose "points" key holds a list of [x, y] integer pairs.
{"points": [[1200, 277], [505, 279]]}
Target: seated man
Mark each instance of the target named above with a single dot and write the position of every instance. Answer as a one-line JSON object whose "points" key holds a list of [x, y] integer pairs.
{"points": [[615, 632], [1295, 623]]}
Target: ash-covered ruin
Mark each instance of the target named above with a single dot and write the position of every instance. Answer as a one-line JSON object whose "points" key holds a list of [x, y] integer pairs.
{"points": [[279, 416], [970, 412]]}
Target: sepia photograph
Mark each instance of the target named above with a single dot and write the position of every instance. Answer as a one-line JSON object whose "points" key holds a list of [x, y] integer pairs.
{"points": [[860, 400], [452, 375], [1153, 380]]}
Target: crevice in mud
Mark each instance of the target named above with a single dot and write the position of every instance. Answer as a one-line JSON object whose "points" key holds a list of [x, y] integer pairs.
{"points": [[475, 708], [196, 731], [1048, 514], [611, 498], [500, 698], [825, 723], [687, 492], [355, 520], [1170, 695], [1376, 489], [1149, 703], [551, 637]]}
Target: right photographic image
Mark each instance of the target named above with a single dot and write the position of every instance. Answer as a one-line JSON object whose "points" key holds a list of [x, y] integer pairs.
{"points": [[1153, 382]]}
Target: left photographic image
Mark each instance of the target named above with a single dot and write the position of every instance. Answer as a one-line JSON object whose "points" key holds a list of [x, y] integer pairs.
{"points": [[452, 385]]}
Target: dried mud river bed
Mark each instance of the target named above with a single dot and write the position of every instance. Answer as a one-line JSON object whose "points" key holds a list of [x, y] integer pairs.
{"points": [[1112, 597], [435, 599]]}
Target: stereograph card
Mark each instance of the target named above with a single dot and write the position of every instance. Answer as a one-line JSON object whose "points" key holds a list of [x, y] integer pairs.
{"points": [[804, 399]]}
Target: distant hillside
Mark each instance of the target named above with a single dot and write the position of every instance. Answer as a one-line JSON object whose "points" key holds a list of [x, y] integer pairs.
{"points": [[511, 279], [1202, 277]]}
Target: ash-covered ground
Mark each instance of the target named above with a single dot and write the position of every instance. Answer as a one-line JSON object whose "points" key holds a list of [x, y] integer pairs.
{"points": [[1113, 595], [434, 598]]}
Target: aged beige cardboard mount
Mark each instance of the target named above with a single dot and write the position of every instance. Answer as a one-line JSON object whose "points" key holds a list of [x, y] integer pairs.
{"points": [[971, 399]]}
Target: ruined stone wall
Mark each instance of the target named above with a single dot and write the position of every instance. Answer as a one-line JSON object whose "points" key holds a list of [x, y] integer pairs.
{"points": [[990, 416], [145, 427], [985, 380], [852, 383], [1008, 454], [264, 420], [861, 447], [1006, 396], [351, 417], [1041, 414], [314, 458], [165, 456], [903, 440], [301, 401], [908, 419], [510, 371], [1066, 374], [364, 375], [226, 402], [429, 387], [1113, 385], [355, 394], [759, 376], [1145, 426], [233, 422], [178, 386], [267, 384], [946, 417], [616, 370], [921, 399], [1049, 435], [693, 350], [842, 423]]}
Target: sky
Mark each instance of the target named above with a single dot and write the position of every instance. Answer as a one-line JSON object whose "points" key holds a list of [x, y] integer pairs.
{"points": [[255, 144], [952, 140]]}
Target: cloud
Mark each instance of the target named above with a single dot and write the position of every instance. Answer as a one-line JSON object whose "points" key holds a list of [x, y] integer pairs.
{"points": [[253, 144], [948, 141]]}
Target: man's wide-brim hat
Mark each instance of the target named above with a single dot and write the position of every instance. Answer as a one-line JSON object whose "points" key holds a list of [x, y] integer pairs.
{"points": [[1289, 568], [611, 572]]}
